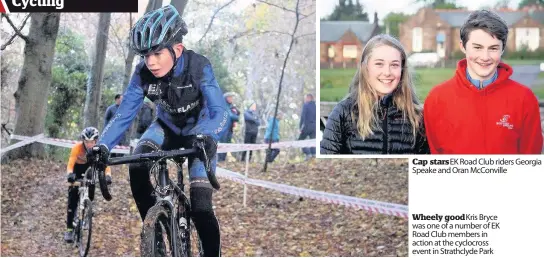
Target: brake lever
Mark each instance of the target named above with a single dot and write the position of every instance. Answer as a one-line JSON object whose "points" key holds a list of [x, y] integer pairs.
{"points": [[206, 161]]}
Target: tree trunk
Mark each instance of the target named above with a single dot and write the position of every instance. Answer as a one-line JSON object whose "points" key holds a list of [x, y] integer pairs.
{"points": [[34, 81], [151, 5], [94, 84], [179, 5]]}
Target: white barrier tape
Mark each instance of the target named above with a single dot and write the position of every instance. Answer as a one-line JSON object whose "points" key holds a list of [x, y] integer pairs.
{"points": [[221, 148], [67, 143], [353, 202], [350, 201], [22, 143], [236, 147]]}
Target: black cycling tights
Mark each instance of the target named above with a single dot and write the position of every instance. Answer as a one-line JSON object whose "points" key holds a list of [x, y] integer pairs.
{"points": [[73, 195], [201, 202]]}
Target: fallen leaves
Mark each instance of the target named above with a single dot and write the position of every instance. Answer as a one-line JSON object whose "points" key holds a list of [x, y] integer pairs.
{"points": [[272, 224]]}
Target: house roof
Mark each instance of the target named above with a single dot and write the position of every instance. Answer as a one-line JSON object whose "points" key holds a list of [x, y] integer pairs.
{"points": [[457, 18], [332, 31]]}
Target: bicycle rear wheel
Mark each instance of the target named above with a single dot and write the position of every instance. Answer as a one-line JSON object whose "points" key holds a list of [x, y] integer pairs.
{"points": [[156, 233], [85, 228]]}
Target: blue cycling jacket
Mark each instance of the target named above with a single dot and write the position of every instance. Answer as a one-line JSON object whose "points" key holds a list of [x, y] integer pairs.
{"points": [[189, 100]]}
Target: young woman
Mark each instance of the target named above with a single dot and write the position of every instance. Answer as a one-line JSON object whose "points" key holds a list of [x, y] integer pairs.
{"points": [[381, 114]]}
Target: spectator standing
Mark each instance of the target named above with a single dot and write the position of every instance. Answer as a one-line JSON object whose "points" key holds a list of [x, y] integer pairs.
{"points": [[252, 122], [307, 124]]}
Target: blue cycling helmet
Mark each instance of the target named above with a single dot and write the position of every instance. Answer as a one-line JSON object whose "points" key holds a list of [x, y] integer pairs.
{"points": [[156, 30]]}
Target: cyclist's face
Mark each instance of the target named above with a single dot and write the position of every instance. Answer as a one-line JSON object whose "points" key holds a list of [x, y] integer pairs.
{"points": [[161, 62], [89, 144]]}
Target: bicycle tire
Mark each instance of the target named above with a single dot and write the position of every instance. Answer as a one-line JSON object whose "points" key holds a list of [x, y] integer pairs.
{"points": [[157, 218], [103, 184], [85, 224], [195, 244], [91, 187]]}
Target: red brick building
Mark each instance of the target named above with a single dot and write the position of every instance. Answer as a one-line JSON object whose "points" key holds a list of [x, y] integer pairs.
{"points": [[432, 30], [342, 42]]}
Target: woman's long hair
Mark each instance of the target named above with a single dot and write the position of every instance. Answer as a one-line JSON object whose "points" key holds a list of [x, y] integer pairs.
{"points": [[366, 98]]}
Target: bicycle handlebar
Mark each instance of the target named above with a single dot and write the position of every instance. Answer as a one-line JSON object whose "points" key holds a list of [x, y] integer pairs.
{"points": [[75, 183], [154, 156]]}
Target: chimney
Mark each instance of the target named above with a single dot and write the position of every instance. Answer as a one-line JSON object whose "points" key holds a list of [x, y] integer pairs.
{"points": [[375, 18]]}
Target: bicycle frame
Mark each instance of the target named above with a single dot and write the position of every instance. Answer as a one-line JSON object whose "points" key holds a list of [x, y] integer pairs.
{"points": [[167, 189], [166, 198]]}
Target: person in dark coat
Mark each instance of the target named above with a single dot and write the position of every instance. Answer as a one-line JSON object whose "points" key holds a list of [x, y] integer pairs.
{"points": [[234, 115], [307, 124], [145, 117], [382, 114], [251, 119], [110, 112]]}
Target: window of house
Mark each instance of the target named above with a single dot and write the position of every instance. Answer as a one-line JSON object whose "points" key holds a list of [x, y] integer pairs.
{"points": [[350, 51], [417, 39], [331, 52], [527, 37]]}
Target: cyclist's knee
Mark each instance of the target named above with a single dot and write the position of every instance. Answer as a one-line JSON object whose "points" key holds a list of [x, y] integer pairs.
{"points": [[201, 198]]}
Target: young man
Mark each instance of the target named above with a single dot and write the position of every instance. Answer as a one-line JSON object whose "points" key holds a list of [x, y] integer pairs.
{"points": [[307, 124], [188, 101], [480, 110], [77, 165]]}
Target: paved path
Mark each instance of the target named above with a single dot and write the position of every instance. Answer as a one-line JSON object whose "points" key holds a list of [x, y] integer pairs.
{"points": [[525, 74]]}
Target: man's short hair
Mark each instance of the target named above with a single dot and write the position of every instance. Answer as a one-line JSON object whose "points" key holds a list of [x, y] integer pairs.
{"points": [[117, 96], [310, 95], [487, 21]]}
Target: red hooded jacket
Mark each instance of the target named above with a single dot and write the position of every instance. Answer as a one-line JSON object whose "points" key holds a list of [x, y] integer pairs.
{"points": [[502, 118]]}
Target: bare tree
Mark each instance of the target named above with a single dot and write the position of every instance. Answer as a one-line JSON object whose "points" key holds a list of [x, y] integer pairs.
{"points": [[298, 17], [179, 5], [35, 80], [94, 83]]}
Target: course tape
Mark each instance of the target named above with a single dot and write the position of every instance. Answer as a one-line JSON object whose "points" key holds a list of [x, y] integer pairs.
{"points": [[68, 143], [349, 201], [28, 140], [221, 148], [236, 147]]}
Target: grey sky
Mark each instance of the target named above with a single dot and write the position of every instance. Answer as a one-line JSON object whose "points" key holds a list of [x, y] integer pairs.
{"points": [[383, 7]]}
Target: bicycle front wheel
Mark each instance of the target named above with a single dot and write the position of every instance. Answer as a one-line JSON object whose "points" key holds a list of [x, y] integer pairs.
{"points": [[85, 228], [156, 233], [189, 241], [103, 184]]}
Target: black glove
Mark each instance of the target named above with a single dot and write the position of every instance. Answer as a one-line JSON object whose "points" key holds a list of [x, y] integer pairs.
{"points": [[71, 177], [207, 145], [108, 179], [102, 152]]}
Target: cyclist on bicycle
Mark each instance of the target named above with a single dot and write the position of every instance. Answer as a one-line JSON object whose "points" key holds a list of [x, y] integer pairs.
{"points": [[189, 102], [77, 165]]}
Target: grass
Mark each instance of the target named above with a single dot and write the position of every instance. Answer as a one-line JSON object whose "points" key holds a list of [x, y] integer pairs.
{"points": [[538, 89], [335, 82]]}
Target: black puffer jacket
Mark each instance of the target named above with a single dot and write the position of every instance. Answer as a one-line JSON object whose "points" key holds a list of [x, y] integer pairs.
{"points": [[341, 135]]}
